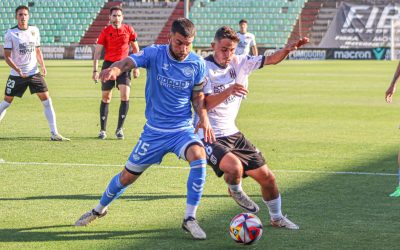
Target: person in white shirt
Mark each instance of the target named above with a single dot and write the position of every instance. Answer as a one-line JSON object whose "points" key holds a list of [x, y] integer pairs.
{"points": [[232, 155], [247, 40], [22, 53]]}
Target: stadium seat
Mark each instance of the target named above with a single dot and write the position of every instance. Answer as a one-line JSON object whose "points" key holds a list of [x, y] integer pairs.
{"points": [[54, 18], [267, 20]]}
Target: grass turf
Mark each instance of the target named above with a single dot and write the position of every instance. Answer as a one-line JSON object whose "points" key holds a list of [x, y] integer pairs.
{"points": [[325, 116]]}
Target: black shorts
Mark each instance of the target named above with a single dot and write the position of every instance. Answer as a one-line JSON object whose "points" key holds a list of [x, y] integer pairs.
{"points": [[16, 85], [238, 145], [124, 78]]}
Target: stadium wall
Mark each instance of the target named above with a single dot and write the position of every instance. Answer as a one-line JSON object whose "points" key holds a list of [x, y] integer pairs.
{"points": [[78, 52], [325, 54], [86, 53]]}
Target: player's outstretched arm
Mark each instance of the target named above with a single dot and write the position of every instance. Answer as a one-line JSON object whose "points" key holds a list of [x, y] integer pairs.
{"points": [[280, 55], [236, 89], [198, 102], [392, 87], [116, 69]]}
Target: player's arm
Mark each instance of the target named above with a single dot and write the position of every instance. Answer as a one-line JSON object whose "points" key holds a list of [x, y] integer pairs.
{"points": [[280, 55], [96, 58], [392, 87], [235, 89], [10, 62], [40, 59], [135, 49], [198, 102], [254, 50], [116, 69]]}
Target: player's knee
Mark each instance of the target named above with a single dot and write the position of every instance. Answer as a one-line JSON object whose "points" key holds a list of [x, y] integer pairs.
{"points": [[195, 152], [8, 99], [106, 99], [231, 165], [126, 178]]}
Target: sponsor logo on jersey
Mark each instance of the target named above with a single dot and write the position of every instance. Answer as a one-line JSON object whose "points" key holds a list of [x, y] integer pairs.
{"points": [[25, 48], [173, 83]]}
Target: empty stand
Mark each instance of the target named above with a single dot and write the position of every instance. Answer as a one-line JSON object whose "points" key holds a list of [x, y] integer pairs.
{"points": [[306, 21], [271, 21], [61, 22], [101, 20], [149, 19]]}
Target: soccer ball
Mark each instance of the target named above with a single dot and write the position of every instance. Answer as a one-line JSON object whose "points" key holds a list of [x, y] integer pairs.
{"points": [[246, 228]]}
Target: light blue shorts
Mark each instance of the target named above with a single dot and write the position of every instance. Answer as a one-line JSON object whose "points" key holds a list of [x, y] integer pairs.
{"points": [[154, 143]]}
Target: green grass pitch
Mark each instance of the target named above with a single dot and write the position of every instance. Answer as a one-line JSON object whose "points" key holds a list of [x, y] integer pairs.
{"points": [[311, 119]]}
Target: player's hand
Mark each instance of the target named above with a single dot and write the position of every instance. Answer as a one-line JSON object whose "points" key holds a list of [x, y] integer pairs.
{"points": [[95, 76], [389, 93], [19, 71], [297, 44], [208, 133], [44, 71], [136, 73], [238, 89], [109, 74]]}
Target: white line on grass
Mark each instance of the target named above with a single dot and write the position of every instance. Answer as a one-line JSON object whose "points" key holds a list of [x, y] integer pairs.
{"points": [[2, 161]]}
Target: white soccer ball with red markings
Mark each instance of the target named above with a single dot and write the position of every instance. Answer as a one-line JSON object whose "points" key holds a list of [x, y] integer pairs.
{"points": [[246, 228]]}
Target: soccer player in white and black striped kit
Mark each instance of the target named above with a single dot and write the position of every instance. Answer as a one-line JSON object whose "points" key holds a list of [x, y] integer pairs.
{"points": [[22, 53], [232, 155]]}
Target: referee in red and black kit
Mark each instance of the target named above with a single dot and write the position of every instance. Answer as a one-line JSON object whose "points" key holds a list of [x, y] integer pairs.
{"points": [[116, 38]]}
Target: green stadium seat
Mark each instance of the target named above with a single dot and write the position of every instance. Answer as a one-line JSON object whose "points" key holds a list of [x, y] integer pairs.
{"points": [[271, 26]]}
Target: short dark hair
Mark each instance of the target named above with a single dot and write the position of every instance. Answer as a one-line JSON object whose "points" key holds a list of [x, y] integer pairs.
{"points": [[184, 27], [116, 8], [242, 21], [21, 7], [226, 32]]}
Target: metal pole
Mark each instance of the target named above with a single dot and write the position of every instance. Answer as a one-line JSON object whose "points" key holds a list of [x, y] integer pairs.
{"points": [[186, 8], [392, 38]]}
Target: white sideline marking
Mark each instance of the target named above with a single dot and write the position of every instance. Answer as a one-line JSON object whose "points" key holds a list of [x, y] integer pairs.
{"points": [[2, 161]]}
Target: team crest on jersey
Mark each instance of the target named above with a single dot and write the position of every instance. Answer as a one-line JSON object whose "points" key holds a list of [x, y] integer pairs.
{"points": [[33, 33], [188, 71]]}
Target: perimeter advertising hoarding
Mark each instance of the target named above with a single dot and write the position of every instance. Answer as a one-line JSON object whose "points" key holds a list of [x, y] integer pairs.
{"points": [[360, 26]]}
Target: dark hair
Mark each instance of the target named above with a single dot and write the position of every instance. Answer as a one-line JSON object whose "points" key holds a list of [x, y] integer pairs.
{"points": [[184, 27], [226, 32], [242, 21], [21, 7], [116, 8]]}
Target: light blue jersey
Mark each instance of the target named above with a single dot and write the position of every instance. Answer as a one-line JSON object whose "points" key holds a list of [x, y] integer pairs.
{"points": [[169, 86]]}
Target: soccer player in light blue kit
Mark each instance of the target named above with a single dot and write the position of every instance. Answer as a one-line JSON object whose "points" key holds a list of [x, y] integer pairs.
{"points": [[174, 80]]}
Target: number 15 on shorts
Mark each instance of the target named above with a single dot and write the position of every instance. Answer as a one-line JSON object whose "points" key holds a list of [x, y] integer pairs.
{"points": [[141, 148]]}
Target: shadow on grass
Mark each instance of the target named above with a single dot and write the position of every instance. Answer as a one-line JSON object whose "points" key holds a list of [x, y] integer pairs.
{"points": [[139, 197], [71, 233], [25, 138]]}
